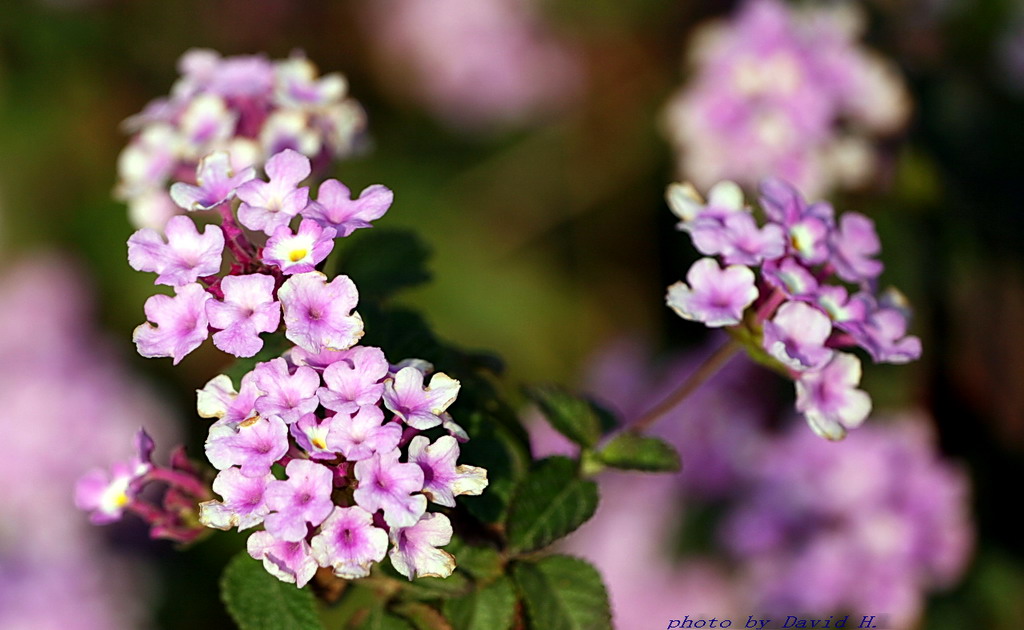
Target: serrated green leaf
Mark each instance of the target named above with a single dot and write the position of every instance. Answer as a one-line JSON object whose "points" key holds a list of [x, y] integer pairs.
{"points": [[579, 419], [259, 601], [430, 588], [490, 608], [632, 451], [549, 503], [381, 261], [422, 616], [504, 456], [483, 563], [563, 593]]}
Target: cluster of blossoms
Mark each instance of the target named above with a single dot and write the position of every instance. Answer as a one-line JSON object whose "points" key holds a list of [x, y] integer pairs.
{"points": [[353, 481], [872, 523], [815, 292], [247, 106], [786, 92], [129, 486], [474, 63], [340, 426], [263, 279]]}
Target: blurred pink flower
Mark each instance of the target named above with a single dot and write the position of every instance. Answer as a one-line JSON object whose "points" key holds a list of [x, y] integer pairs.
{"points": [[69, 406], [474, 63], [784, 92]]}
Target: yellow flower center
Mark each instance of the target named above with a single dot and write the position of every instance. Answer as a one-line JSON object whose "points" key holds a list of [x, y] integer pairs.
{"points": [[296, 255]]}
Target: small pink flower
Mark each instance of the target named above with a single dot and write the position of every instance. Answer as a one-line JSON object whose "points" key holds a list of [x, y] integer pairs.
{"points": [[305, 497], [421, 407], [269, 205], [181, 324], [715, 296], [299, 252], [829, 397], [415, 550], [248, 309], [349, 543], [183, 258], [317, 314], [385, 484], [334, 207], [290, 562], [244, 503], [217, 183]]}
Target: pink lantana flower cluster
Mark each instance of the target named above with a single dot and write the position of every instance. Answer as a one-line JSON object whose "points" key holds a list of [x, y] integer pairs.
{"points": [[247, 106], [786, 91], [345, 426], [162, 496], [271, 272], [814, 292]]}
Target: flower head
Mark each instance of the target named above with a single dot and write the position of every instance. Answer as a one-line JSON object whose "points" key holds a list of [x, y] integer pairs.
{"points": [[217, 183], [349, 543], [829, 397], [781, 90], [317, 314], [305, 497], [181, 323], [385, 484], [415, 550], [254, 445], [183, 258], [334, 207], [354, 380], [360, 436], [801, 311], [286, 395], [714, 296], [419, 406], [288, 561], [442, 479], [299, 252], [248, 308], [244, 503], [269, 205]]}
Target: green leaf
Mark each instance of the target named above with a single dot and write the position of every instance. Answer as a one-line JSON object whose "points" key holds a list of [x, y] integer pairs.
{"points": [[259, 601], [563, 593], [493, 448], [549, 503], [422, 616], [579, 419], [490, 608], [380, 619], [484, 563], [430, 588], [381, 261], [632, 451]]}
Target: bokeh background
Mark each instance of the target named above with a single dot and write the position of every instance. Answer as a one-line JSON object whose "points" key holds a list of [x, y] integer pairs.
{"points": [[526, 143]]}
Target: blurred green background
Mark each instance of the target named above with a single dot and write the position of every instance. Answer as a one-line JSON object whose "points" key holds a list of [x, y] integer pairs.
{"points": [[551, 239]]}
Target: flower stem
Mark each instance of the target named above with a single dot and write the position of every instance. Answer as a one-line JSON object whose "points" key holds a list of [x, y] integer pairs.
{"points": [[706, 370], [769, 306], [187, 483], [234, 236]]}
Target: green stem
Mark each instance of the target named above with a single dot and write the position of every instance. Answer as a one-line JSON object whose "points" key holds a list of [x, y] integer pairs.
{"points": [[706, 370]]}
